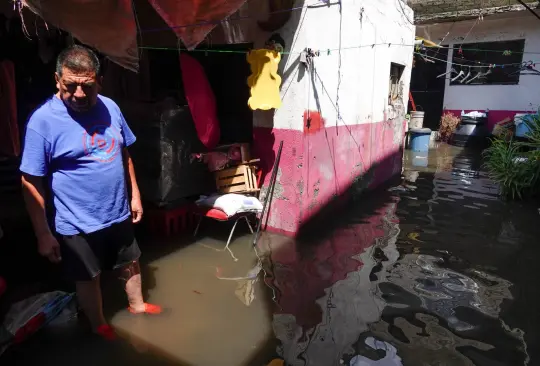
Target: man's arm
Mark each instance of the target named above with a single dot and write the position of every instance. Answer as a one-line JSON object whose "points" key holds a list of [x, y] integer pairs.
{"points": [[34, 196], [135, 194]]}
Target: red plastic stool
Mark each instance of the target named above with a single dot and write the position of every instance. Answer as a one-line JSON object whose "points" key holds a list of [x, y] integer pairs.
{"points": [[168, 222]]}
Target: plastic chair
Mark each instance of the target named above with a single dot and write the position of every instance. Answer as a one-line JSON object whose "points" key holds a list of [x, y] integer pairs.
{"points": [[219, 215], [169, 222]]}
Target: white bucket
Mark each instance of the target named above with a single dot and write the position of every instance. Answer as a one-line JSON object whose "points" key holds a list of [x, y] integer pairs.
{"points": [[417, 120]]}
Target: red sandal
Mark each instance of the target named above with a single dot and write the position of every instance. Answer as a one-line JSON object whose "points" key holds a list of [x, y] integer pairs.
{"points": [[106, 332], [148, 309]]}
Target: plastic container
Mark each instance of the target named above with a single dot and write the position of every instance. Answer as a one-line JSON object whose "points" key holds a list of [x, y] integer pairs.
{"points": [[419, 140], [417, 120], [420, 159], [521, 127], [466, 120], [471, 132]]}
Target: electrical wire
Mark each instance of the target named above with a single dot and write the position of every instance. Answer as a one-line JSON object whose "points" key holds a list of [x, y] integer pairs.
{"points": [[483, 65], [344, 49], [403, 12], [529, 8], [339, 61], [322, 54], [318, 2]]}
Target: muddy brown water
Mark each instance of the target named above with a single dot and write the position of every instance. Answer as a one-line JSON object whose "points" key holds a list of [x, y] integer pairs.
{"points": [[436, 270]]}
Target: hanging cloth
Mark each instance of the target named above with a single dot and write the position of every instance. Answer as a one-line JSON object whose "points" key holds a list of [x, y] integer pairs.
{"points": [[108, 26], [264, 80], [201, 101], [192, 20], [9, 131]]}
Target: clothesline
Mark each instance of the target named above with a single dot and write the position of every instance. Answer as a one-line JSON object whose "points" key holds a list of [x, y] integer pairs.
{"points": [[316, 5], [482, 65], [327, 52]]}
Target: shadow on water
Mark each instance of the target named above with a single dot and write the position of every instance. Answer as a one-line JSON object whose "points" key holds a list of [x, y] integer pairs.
{"points": [[437, 269], [434, 270]]}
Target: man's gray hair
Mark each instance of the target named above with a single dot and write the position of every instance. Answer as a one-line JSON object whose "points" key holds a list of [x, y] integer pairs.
{"points": [[77, 59]]}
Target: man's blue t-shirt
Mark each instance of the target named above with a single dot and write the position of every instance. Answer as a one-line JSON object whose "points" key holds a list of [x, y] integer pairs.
{"points": [[81, 154]]}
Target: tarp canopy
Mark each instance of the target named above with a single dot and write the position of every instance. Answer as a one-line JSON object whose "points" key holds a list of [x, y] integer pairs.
{"points": [[192, 20], [109, 26]]}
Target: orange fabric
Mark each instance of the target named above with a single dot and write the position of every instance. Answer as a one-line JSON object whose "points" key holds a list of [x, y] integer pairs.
{"points": [[185, 17], [9, 129], [108, 26]]}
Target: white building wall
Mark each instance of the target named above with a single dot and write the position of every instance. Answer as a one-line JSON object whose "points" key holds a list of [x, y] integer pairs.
{"points": [[521, 97], [362, 95], [363, 92], [330, 157]]}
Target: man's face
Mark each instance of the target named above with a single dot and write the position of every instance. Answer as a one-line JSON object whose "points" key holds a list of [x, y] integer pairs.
{"points": [[78, 90]]}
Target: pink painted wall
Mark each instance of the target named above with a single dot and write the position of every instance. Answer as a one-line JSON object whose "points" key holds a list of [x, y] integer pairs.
{"points": [[318, 167], [494, 116], [302, 280]]}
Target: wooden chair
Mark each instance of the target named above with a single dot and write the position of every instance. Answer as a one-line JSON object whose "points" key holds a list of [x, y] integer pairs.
{"points": [[241, 179]]}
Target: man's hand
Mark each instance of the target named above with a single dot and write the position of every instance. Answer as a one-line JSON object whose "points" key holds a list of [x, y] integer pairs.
{"points": [[136, 209], [48, 247]]}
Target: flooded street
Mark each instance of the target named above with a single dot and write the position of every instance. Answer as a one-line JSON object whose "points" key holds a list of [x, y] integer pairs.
{"points": [[436, 270]]}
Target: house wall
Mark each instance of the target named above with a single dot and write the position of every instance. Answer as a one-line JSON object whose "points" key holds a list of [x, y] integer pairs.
{"points": [[333, 157], [501, 100], [354, 138]]}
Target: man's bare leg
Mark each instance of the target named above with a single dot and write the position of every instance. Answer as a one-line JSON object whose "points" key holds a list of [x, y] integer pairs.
{"points": [[90, 300], [132, 275]]}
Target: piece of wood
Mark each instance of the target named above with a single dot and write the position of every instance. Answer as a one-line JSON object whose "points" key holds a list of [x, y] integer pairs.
{"points": [[239, 179], [232, 180]]}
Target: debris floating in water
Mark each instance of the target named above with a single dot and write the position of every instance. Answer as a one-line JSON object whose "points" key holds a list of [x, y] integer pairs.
{"points": [[251, 275], [414, 236]]}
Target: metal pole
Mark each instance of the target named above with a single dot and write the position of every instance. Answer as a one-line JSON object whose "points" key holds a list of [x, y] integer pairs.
{"points": [[529, 8], [269, 193]]}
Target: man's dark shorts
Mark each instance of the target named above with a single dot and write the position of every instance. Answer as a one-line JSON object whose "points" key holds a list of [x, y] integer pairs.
{"points": [[84, 256]]}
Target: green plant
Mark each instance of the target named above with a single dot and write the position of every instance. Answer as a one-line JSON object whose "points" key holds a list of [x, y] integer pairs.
{"points": [[448, 125], [515, 165], [515, 171], [533, 123]]}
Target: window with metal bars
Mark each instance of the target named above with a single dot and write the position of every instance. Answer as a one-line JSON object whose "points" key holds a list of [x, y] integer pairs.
{"points": [[485, 54]]}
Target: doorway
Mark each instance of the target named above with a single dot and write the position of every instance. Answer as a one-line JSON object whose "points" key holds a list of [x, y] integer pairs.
{"points": [[427, 89]]}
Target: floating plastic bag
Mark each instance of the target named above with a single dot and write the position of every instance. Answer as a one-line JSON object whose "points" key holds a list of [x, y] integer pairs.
{"points": [[390, 359], [28, 316]]}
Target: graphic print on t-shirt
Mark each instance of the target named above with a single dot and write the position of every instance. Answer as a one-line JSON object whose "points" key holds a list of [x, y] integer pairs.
{"points": [[102, 142]]}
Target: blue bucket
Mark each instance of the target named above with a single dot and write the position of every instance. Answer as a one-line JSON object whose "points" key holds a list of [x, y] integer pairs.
{"points": [[522, 129], [420, 159], [419, 140]]}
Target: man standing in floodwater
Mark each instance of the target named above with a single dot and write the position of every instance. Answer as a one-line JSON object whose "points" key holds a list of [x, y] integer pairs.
{"points": [[76, 149]]}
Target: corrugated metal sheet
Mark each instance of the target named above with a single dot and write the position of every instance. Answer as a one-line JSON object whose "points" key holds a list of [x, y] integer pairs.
{"points": [[426, 11]]}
